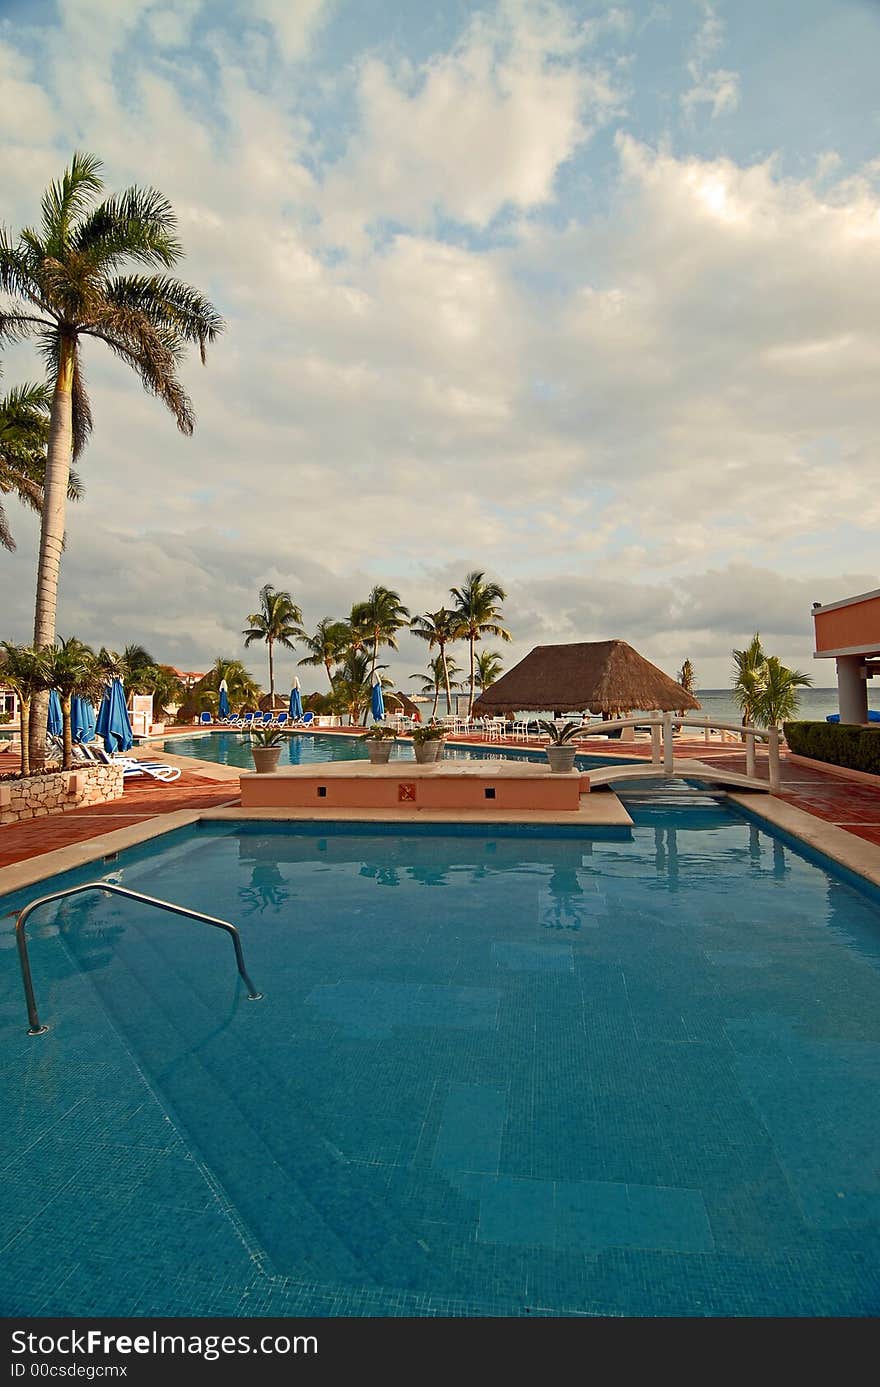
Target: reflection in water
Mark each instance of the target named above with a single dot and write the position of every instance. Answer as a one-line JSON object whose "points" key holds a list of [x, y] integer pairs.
{"points": [[267, 888], [564, 909], [383, 876], [779, 867], [666, 855]]}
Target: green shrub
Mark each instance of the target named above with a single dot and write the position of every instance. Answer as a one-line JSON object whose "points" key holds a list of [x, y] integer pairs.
{"points": [[838, 744]]}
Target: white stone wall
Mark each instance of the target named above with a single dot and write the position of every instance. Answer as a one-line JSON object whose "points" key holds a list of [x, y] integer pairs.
{"points": [[37, 795]]}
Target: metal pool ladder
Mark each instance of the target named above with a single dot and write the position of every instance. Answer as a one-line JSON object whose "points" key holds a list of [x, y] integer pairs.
{"points": [[33, 1017]]}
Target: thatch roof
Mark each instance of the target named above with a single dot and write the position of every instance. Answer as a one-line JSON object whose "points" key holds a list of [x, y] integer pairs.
{"points": [[268, 704], [602, 676], [403, 702]]}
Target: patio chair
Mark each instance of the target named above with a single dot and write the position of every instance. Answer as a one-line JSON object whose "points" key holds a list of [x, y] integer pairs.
{"points": [[206, 718], [282, 720], [247, 720], [307, 719], [153, 770]]}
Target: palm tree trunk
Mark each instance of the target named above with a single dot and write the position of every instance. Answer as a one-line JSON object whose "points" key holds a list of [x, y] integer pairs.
{"points": [[271, 676], [24, 728], [67, 734], [58, 455], [442, 645], [329, 670], [473, 678], [436, 699]]}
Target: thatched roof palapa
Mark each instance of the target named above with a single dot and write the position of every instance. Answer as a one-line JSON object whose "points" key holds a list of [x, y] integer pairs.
{"points": [[599, 676], [276, 704], [403, 702]]}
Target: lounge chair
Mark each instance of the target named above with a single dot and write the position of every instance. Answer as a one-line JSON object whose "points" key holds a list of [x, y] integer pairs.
{"points": [[307, 719], [248, 720], [233, 720], [264, 720], [153, 770], [206, 718], [282, 720]]}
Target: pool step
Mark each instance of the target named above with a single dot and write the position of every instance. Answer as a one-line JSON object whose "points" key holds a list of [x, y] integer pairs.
{"points": [[316, 1215]]}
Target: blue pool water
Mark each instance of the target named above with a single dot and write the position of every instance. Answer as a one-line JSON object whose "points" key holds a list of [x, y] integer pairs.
{"points": [[306, 749], [494, 1072]]}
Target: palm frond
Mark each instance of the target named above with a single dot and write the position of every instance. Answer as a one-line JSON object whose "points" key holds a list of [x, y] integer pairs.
{"points": [[137, 224], [65, 201], [170, 304], [81, 410]]}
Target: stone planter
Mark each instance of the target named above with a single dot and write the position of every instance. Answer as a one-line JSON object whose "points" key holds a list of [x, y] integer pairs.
{"points": [[561, 758], [379, 752], [427, 752], [265, 759]]}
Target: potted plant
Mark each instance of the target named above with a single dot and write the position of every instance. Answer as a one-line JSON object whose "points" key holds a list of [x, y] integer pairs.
{"points": [[562, 750], [266, 748], [428, 741], [380, 740]]}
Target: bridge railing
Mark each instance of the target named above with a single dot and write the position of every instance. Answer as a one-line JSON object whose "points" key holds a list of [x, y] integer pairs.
{"points": [[662, 748]]}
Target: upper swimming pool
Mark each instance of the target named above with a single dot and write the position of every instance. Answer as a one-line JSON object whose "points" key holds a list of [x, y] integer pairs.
{"points": [[309, 748], [494, 1072]]}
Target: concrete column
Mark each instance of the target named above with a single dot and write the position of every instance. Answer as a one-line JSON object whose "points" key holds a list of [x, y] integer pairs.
{"points": [[852, 689]]}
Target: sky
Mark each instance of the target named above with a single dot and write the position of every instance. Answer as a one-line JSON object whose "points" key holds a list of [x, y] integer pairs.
{"points": [[583, 295]]}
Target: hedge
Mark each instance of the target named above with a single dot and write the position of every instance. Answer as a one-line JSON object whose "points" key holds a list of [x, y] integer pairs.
{"points": [[840, 744]]}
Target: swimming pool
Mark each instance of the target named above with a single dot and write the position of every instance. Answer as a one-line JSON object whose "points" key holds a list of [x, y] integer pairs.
{"points": [[307, 748], [495, 1071]]}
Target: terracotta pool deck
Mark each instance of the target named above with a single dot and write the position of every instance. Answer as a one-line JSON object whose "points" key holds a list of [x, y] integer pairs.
{"points": [[147, 808]]}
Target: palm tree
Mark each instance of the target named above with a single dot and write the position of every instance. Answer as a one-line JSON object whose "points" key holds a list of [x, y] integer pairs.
{"points": [[138, 669], [24, 670], [438, 629], [278, 622], [778, 699], [377, 621], [488, 668], [70, 279], [24, 433], [168, 690], [477, 610], [328, 645], [748, 671], [352, 685], [241, 689], [440, 677], [73, 670]]}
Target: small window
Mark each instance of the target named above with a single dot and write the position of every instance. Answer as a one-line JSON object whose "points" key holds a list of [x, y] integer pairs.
{"points": [[489, 792], [322, 792]]}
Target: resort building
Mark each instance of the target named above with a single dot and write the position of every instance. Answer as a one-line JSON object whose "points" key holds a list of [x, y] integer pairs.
{"points": [[849, 632]]}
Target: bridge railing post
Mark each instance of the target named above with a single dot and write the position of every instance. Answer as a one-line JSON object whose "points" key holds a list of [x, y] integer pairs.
{"points": [[750, 753], [656, 753], [773, 759], [667, 744]]}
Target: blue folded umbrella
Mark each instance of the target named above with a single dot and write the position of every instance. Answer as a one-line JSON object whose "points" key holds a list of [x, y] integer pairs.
{"points": [[295, 708], [54, 722], [113, 722], [82, 720], [377, 702], [223, 705]]}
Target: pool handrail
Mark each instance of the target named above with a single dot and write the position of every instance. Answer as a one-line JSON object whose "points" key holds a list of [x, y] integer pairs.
{"points": [[110, 887]]}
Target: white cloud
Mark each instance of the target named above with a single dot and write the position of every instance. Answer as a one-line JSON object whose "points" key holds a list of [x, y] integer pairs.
{"points": [[718, 87]]}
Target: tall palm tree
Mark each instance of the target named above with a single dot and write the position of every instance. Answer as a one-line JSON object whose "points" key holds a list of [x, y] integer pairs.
{"points": [[138, 669], [24, 670], [778, 699], [748, 678], [489, 666], [378, 620], [438, 629], [328, 645], [73, 670], [278, 622], [72, 278], [439, 678], [476, 605], [24, 433]]}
